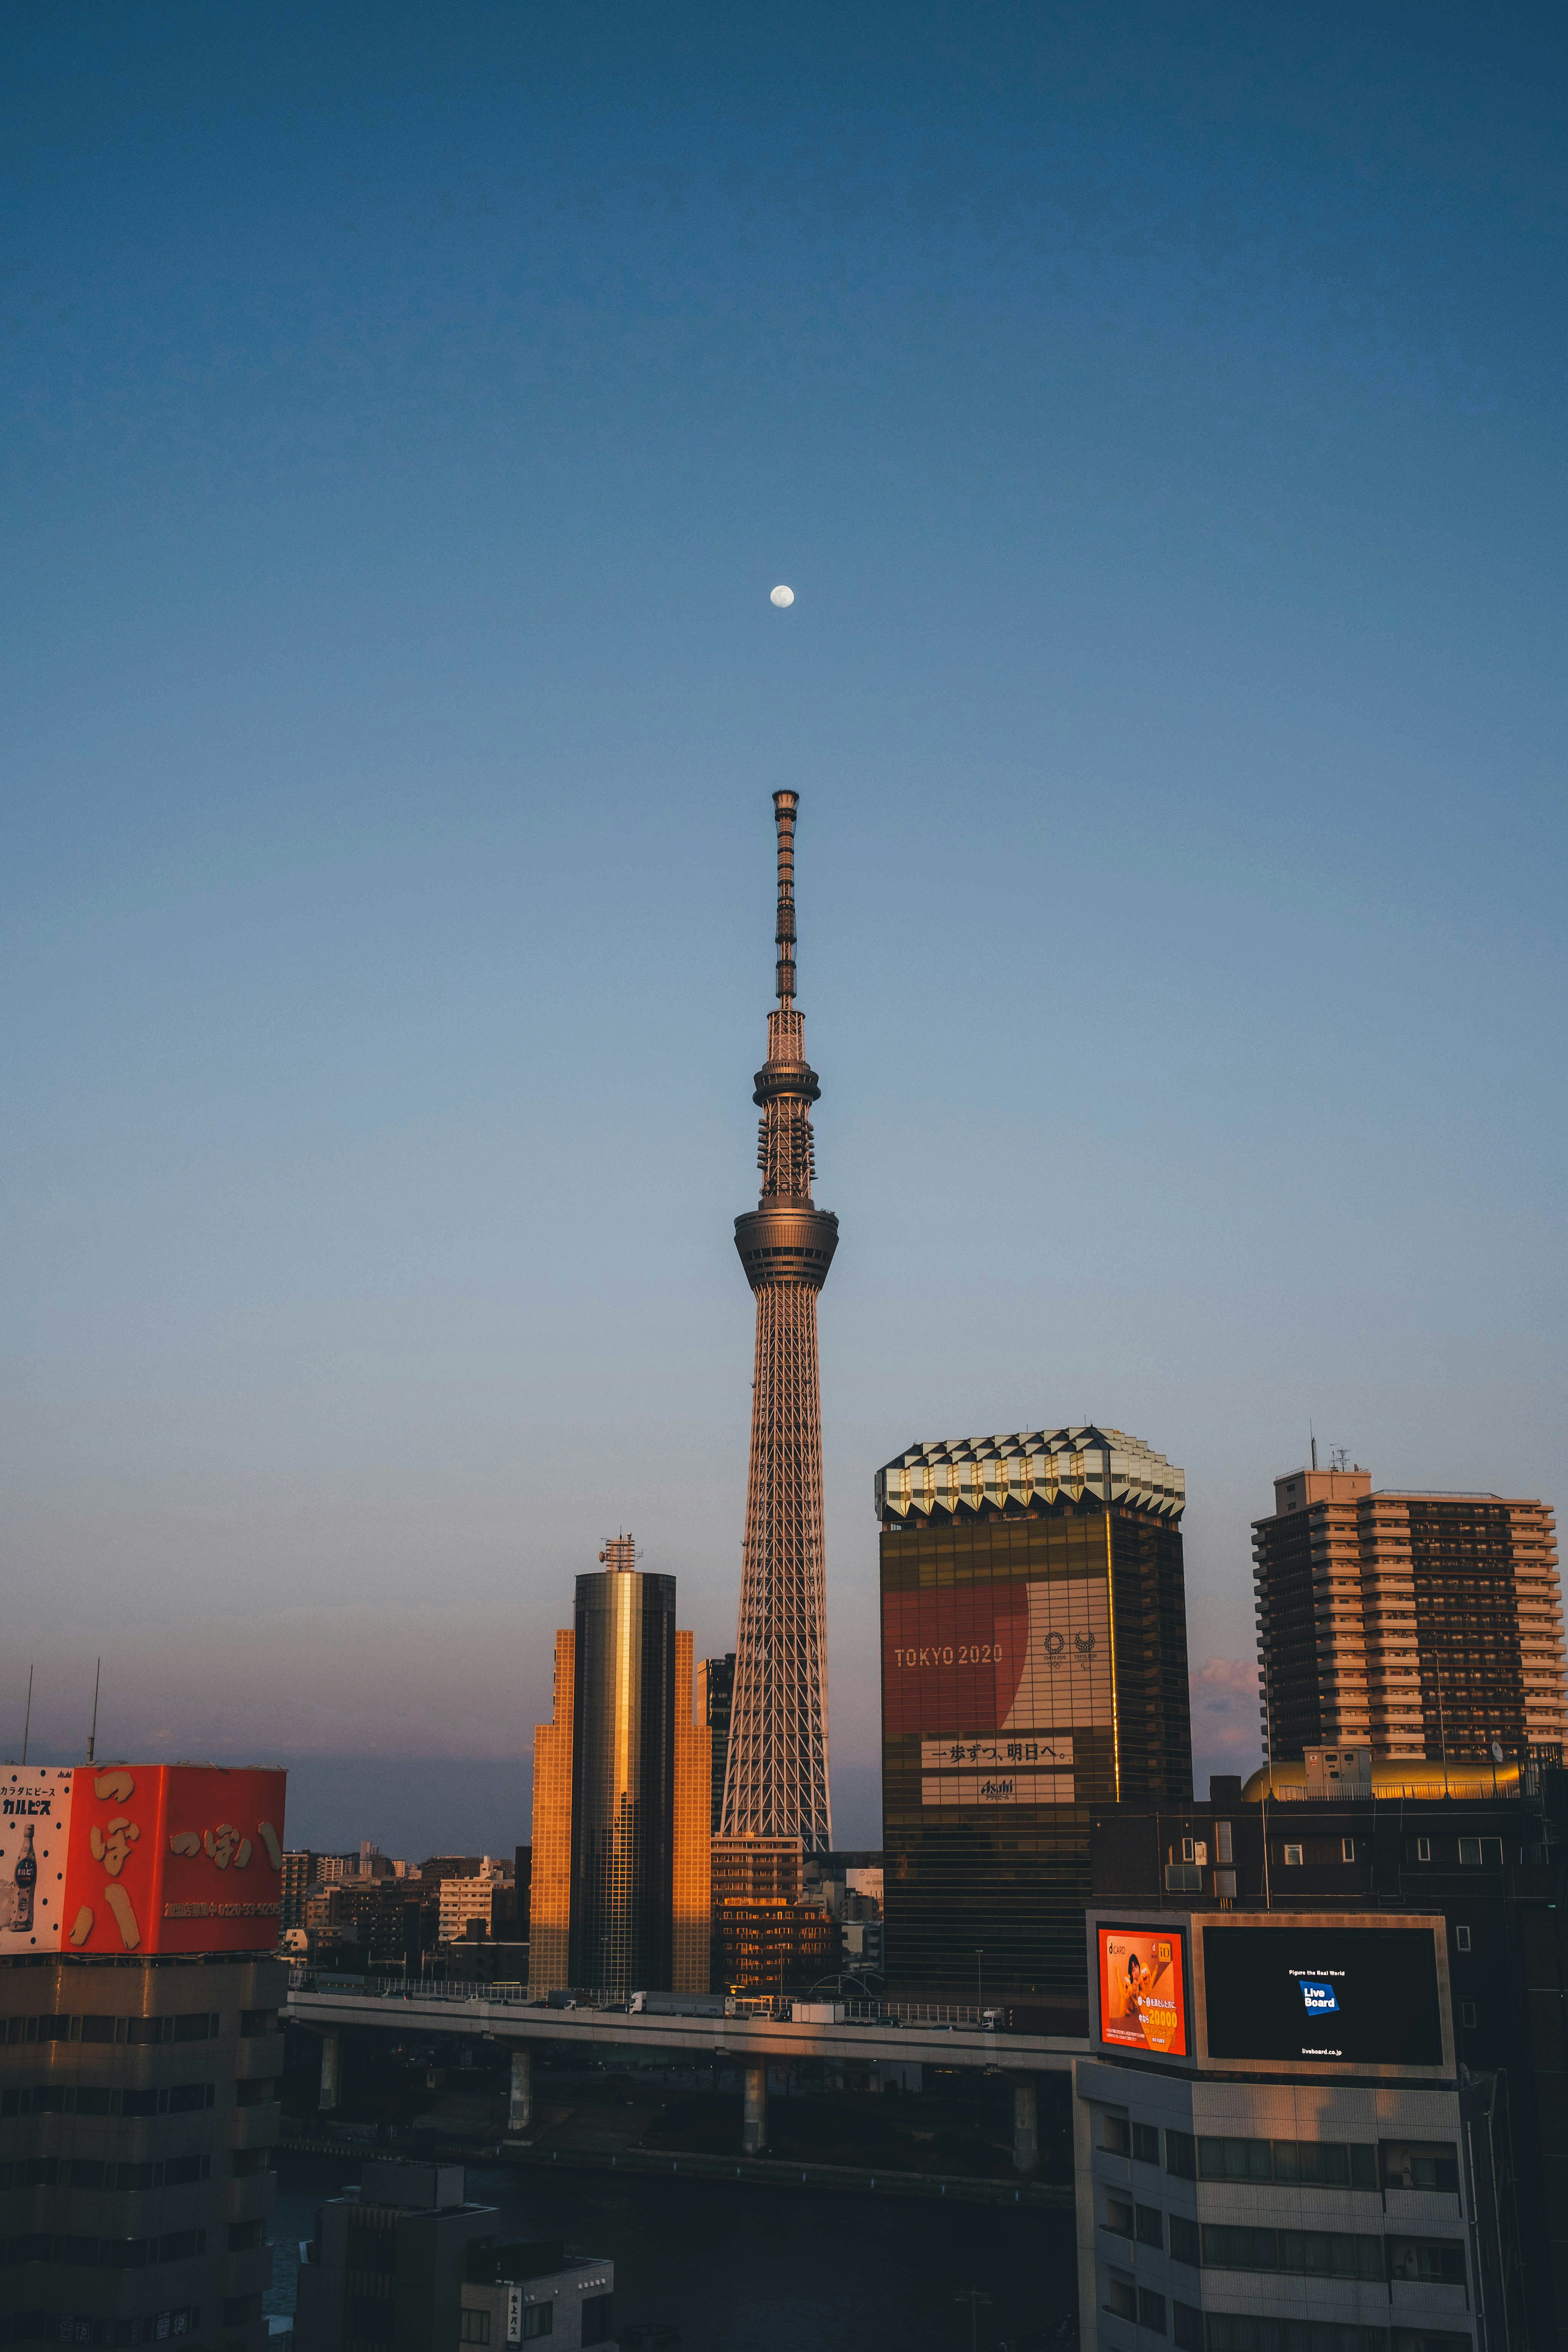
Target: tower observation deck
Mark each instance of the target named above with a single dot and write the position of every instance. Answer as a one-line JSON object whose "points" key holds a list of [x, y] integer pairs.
{"points": [[776, 1780]]}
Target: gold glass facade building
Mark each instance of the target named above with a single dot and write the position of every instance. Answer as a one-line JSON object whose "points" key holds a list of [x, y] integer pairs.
{"points": [[621, 1797]]}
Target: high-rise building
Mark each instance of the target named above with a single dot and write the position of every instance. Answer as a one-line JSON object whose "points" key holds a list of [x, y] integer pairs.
{"points": [[140, 2052], [776, 1782], [1479, 1848], [621, 1796], [715, 1695], [299, 1877], [1277, 2147], [1411, 1624], [1034, 1665]]}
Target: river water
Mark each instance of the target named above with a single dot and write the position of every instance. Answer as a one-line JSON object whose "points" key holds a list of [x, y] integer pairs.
{"points": [[738, 2269]]}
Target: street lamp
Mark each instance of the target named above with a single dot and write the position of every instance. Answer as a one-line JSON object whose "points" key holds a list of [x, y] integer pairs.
{"points": [[977, 2303]]}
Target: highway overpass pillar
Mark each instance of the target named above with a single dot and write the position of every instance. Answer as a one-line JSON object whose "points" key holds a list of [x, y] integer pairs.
{"points": [[519, 2109], [332, 2060], [1025, 2126], [755, 2111]]}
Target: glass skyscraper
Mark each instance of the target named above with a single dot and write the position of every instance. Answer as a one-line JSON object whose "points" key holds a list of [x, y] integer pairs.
{"points": [[1034, 1666], [621, 1796]]}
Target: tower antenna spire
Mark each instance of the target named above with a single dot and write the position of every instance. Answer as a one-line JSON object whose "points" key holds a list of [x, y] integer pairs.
{"points": [[785, 807], [776, 1782]]}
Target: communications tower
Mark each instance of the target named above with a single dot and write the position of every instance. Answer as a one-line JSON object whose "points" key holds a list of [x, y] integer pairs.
{"points": [[776, 1780]]}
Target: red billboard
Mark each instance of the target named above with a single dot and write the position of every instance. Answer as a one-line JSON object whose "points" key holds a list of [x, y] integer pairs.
{"points": [[140, 1858], [1142, 1991], [997, 1678]]}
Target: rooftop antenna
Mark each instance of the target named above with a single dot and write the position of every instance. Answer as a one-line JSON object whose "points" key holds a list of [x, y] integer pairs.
{"points": [[93, 1735], [27, 1719], [1312, 1434], [1339, 1455]]}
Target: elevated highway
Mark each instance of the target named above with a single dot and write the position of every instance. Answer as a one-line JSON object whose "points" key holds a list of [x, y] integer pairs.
{"points": [[750, 2042]]}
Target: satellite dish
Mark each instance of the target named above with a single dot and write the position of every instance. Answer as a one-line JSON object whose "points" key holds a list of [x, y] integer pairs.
{"points": [[1497, 1751]]}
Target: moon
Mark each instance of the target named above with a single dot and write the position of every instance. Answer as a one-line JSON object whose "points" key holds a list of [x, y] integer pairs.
{"points": [[780, 596]]}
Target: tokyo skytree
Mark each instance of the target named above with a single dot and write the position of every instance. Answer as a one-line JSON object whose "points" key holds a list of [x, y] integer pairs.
{"points": [[776, 1781]]}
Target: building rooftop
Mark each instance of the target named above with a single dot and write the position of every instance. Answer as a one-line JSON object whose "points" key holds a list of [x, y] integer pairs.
{"points": [[971, 1473]]}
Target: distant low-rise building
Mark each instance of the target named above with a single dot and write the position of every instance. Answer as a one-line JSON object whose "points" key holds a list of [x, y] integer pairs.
{"points": [[483, 1898], [407, 2258]]}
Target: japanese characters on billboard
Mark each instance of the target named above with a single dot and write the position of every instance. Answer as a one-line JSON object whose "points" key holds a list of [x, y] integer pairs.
{"points": [[1142, 1991], [997, 1678], [140, 1858]]}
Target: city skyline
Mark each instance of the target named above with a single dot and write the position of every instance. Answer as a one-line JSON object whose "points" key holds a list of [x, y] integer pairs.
{"points": [[1160, 438]]}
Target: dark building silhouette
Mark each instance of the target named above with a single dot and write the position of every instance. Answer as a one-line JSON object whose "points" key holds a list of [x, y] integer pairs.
{"points": [[1034, 1665], [715, 1695]]}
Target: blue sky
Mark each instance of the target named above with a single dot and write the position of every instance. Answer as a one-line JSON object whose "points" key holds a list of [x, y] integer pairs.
{"points": [[1158, 412]]}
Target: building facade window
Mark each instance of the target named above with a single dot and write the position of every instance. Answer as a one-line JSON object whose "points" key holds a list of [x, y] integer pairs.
{"points": [[1150, 2310], [1121, 2296], [1462, 1938], [1292, 1857]]}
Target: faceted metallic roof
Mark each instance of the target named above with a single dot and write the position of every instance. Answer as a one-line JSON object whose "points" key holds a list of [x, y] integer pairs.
{"points": [[968, 1474]]}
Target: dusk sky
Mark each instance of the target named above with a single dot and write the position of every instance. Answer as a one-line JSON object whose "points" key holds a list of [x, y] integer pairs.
{"points": [[1158, 413]]}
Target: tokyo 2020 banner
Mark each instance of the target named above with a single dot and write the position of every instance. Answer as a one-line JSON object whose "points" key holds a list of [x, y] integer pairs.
{"points": [[996, 1679]]}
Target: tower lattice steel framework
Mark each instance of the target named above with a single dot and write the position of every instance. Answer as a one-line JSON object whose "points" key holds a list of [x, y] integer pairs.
{"points": [[776, 1781]]}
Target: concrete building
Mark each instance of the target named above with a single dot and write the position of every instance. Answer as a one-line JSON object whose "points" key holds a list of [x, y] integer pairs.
{"points": [[622, 1801], [1274, 2145], [1416, 1625], [1487, 1859], [138, 2104], [463, 1900], [515, 2294], [140, 2051], [1034, 1665], [405, 2262]]}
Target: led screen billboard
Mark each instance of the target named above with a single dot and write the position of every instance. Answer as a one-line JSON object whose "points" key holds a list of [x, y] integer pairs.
{"points": [[1323, 1995], [997, 1678], [140, 1858], [1142, 1991]]}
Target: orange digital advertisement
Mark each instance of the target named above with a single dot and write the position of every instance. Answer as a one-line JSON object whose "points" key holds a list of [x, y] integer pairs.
{"points": [[1143, 1992], [141, 1858]]}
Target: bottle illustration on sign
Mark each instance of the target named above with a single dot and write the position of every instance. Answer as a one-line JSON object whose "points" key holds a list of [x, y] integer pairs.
{"points": [[26, 1879]]}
